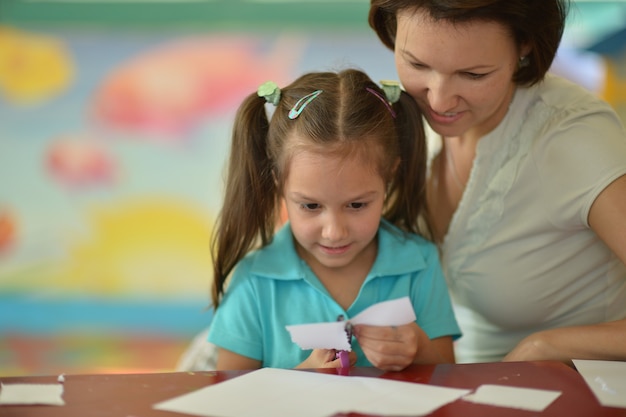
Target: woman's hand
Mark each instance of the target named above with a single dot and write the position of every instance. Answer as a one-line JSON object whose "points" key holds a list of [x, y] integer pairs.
{"points": [[325, 358], [393, 348], [602, 341], [536, 347]]}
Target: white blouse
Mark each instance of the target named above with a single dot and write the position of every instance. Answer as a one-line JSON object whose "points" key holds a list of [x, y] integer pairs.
{"points": [[519, 255]]}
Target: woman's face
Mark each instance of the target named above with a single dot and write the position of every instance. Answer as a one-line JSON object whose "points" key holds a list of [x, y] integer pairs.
{"points": [[459, 74]]}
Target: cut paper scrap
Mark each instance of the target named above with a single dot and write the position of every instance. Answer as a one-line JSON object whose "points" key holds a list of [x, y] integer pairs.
{"points": [[332, 335], [44, 394], [274, 392], [606, 379], [513, 397]]}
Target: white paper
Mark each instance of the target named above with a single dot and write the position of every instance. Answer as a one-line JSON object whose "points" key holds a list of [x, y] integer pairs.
{"points": [[45, 394], [607, 380], [271, 392], [332, 335], [514, 397]]}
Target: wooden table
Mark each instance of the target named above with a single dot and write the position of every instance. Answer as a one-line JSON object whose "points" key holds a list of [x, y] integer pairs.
{"points": [[132, 395]]}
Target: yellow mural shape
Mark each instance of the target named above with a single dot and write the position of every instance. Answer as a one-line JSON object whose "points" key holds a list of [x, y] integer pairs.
{"points": [[152, 248], [615, 87], [32, 67]]}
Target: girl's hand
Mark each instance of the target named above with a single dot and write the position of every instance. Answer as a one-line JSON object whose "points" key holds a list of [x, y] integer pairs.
{"points": [[390, 348], [324, 358], [393, 348]]}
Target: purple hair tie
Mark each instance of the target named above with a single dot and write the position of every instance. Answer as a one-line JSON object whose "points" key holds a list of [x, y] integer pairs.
{"points": [[383, 99]]}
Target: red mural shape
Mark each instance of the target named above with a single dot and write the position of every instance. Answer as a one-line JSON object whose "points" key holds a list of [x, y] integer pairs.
{"points": [[80, 162], [8, 230], [169, 90]]}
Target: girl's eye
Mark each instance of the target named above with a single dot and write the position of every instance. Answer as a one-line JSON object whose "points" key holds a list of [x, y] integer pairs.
{"points": [[310, 206], [357, 206]]}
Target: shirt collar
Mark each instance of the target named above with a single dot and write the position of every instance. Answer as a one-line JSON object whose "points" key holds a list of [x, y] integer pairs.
{"points": [[398, 253]]}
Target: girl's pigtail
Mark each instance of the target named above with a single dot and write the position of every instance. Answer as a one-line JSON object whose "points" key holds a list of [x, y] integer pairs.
{"points": [[408, 191], [247, 217]]}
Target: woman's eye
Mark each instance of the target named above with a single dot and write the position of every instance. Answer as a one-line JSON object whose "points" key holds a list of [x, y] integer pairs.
{"points": [[357, 206], [474, 76]]}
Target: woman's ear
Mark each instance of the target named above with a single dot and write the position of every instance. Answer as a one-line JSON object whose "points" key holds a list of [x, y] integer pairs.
{"points": [[525, 50]]}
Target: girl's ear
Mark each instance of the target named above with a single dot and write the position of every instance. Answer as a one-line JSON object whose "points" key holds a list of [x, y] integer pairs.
{"points": [[392, 174], [394, 169]]}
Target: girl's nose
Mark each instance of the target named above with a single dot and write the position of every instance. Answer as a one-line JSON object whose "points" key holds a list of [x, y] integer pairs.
{"points": [[334, 228]]}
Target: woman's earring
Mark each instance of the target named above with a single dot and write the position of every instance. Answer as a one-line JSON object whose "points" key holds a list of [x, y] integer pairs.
{"points": [[523, 61]]}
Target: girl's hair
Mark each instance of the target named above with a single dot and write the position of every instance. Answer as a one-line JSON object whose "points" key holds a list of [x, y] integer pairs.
{"points": [[537, 23], [347, 118]]}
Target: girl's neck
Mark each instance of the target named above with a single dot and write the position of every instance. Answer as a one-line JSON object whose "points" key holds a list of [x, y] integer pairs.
{"points": [[343, 283]]}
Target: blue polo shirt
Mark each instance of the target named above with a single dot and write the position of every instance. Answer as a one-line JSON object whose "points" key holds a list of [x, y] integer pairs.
{"points": [[273, 287]]}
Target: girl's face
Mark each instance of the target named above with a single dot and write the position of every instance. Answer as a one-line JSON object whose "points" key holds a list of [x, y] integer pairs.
{"points": [[334, 207], [460, 75]]}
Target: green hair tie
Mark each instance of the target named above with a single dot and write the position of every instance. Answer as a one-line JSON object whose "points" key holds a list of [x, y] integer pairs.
{"points": [[270, 92], [392, 90]]}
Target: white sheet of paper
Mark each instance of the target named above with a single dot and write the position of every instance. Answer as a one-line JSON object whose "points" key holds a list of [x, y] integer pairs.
{"points": [[271, 392], [607, 380], [331, 335], [514, 397], [45, 394]]}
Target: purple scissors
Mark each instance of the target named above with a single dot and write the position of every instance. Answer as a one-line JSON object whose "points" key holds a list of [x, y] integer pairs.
{"points": [[344, 355]]}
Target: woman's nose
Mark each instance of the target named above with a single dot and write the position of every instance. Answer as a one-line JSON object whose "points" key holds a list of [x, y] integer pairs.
{"points": [[441, 94]]}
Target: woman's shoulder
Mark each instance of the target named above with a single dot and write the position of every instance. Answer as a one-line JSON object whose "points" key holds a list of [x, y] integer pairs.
{"points": [[558, 107], [563, 95]]}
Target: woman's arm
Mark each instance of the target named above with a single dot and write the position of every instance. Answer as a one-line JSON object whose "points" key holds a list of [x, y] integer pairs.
{"points": [[607, 341], [603, 341], [607, 217]]}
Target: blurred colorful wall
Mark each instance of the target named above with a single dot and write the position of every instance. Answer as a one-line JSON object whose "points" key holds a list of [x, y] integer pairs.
{"points": [[114, 130]]}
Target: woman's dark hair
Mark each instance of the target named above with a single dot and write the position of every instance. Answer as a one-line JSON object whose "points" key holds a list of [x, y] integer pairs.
{"points": [[536, 23]]}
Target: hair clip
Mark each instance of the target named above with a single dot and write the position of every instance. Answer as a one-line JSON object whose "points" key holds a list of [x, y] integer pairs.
{"points": [[302, 103], [270, 92], [383, 99], [392, 90]]}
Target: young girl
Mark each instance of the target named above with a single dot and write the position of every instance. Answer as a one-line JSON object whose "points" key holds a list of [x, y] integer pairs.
{"points": [[340, 156]]}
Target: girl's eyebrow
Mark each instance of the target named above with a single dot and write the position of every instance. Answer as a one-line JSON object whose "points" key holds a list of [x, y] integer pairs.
{"points": [[302, 196]]}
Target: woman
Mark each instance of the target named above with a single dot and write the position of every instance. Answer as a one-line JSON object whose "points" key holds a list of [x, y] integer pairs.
{"points": [[527, 185]]}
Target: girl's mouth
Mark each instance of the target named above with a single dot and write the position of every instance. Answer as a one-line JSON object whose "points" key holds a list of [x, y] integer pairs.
{"points": [[334, 250]]}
